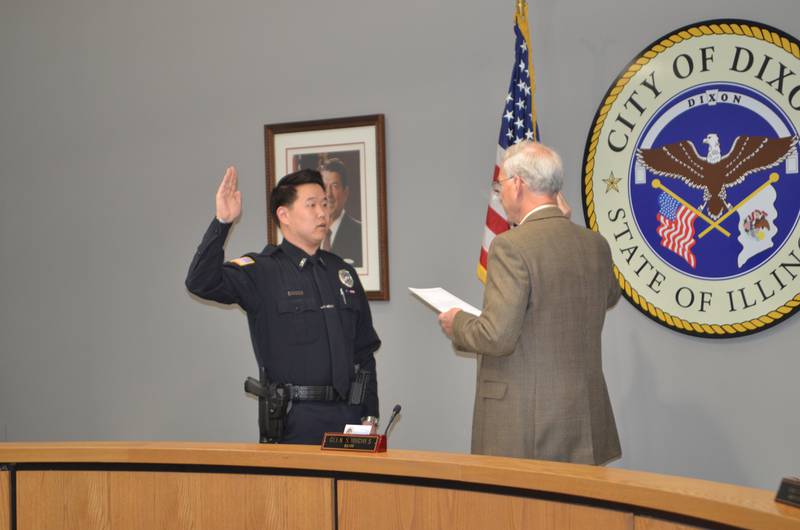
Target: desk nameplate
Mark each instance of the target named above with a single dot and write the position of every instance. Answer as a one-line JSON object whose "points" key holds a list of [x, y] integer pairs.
{"points": [[789, 492], [362, 443]]}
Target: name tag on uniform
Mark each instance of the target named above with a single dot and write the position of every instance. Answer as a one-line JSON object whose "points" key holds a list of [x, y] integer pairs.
{"points": [[295, 293]]}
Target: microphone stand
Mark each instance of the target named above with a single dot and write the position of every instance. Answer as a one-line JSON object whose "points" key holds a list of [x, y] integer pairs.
{"points": [[384, 438]]}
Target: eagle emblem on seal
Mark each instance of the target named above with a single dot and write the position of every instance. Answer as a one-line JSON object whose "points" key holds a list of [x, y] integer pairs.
{"points": [[715, 173]]}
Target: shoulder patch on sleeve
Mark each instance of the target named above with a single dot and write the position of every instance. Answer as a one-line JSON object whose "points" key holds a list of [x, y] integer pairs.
{"points": [[243, 261]]}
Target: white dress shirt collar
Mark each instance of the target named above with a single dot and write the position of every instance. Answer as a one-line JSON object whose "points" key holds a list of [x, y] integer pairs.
{"points": [[541, 207], [335, 226]]}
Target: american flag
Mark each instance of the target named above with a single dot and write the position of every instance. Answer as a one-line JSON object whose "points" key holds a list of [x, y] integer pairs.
{"points": [[517, 123], [676, 227]]}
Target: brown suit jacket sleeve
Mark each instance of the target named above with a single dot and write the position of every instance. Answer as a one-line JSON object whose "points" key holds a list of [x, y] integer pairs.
{"points": [[614, 291], [505, 302]]}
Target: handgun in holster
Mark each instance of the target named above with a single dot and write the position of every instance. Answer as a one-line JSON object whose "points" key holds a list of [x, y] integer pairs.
{"points": [[358, 387], [273, 401]]}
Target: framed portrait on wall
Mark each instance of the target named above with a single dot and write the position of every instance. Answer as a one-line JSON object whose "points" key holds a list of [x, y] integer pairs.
{"points": [[350, 154]]}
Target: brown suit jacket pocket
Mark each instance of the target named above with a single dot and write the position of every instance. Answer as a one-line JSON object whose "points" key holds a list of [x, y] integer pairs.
{"points": [[492, 389]]}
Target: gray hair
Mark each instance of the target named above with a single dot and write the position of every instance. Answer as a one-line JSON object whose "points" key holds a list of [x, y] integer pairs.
{"points": [[537, 165]]}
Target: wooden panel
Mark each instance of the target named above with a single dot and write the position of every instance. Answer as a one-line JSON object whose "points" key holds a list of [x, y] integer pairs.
{"points": [[371, 505], [5, 500], [700, 499], [101, 500], [648, 523]]}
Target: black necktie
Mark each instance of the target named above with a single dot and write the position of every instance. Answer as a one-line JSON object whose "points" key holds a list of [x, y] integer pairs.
{"points": [[341, 364]]}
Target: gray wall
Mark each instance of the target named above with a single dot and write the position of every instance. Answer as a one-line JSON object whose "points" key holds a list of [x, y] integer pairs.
{"points": [[117, 120]]}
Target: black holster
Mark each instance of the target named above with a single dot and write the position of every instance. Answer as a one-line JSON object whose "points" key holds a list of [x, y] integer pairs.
{"points": [[273, 401], [358, 387]]}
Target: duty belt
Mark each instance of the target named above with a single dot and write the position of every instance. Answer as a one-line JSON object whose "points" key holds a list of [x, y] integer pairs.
{"points": [[313, 393]]}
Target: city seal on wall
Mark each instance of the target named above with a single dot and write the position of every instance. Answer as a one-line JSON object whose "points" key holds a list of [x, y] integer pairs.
{"points": [[691, 174]]}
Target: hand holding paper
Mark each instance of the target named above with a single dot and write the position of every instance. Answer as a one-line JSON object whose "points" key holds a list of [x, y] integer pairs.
{"points": [[446, 321]]}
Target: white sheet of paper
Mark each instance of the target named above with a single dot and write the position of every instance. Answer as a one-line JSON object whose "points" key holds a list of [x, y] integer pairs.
{"points": [[442, 300], [357, 429]]}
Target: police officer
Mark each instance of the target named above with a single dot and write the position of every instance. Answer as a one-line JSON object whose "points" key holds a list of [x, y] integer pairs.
{"points": [[310, 323]]}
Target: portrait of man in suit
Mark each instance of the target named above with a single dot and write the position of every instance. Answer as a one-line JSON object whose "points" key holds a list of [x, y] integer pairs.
{"points": [[345, 233]]}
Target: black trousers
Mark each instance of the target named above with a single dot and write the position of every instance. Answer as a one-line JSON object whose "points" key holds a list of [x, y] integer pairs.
{"points": [[307, 421]]}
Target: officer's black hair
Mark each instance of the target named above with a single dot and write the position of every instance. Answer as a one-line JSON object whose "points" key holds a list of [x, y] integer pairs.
{"points": [[285, 192], [334, 165]]}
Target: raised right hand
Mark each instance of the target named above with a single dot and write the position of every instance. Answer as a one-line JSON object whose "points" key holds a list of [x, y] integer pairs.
{"points": [[563, 205], [229, 198]]}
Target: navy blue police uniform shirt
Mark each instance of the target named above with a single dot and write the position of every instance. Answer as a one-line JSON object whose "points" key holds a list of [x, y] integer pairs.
{"points": [[276, 289]]}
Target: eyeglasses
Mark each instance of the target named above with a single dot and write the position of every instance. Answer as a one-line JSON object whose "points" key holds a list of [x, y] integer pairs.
{"points": [[497, 185]]}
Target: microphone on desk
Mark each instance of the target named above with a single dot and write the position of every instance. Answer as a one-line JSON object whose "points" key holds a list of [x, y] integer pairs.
{"points": [[395, 412]]}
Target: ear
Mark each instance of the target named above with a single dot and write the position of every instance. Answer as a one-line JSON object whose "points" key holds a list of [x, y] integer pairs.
{"points": [[283, 214], [519, 185]]}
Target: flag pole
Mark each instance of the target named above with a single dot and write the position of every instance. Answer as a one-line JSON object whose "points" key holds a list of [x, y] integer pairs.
{"points": [[518, 114], [773, 178]]}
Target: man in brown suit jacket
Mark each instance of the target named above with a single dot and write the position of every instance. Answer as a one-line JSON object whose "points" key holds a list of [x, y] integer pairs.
{"points": [[540, 392]]}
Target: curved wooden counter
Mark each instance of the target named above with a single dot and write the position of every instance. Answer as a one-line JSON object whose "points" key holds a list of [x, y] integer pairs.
{"points": [[117, 485]]}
